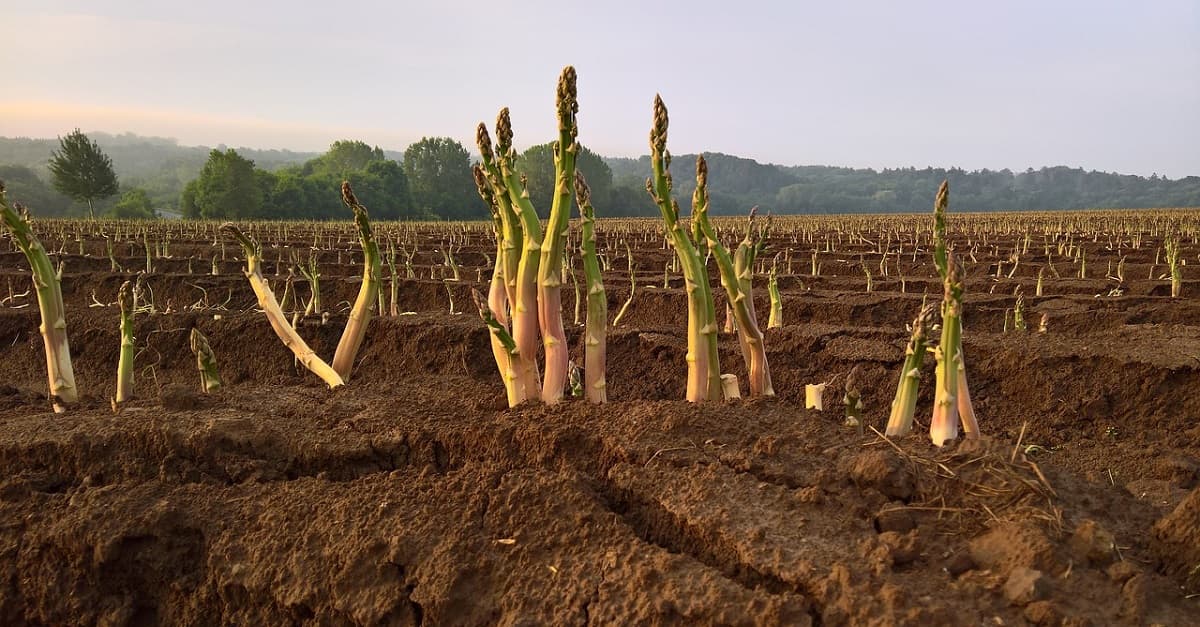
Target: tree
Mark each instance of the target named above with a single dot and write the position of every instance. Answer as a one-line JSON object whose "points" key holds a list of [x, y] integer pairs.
{"points": [[439, 175], [345, 157], [25, 187], [384, 189], [82, 171], [537, 163], [135, 204], [228, 188]]}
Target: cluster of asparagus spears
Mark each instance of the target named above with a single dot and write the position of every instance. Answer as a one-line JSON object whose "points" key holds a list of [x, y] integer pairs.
{"points": [[952, 397], [525, 294], [704, 379]]}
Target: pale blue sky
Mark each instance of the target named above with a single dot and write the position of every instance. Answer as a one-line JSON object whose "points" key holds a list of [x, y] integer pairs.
{"points": [[1099, 84]]}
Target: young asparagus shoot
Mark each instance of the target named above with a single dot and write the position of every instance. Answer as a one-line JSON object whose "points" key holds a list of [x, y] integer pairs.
{"points": [[701, 312], [595, 331], [394, 284], [775, 318], [125, 361], [904, 406], [743, 266], [279, 323], [853, 400], [497, 300], [632, 287], [956, 392], [940, 204], [749, 334], [525, 306], [1019, 314], [944, 424], [47, 282], [507, 356], [206, 361], [554, 338], [1171, 244], [368, 292]]}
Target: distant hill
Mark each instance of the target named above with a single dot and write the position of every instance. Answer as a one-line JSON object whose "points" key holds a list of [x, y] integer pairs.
{"points": [[736, 184], [163, 167]]}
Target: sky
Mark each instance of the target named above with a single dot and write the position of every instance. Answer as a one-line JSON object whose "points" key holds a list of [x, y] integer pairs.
{"points": [[1103, 85]]}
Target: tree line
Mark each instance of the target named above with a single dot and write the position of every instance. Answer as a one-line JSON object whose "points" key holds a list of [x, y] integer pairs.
{"points": [[431, 179]]}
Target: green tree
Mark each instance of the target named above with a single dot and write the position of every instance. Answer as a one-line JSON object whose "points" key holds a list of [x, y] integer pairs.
{"points": [[439, 175], [82, 171], [187, 200], [228, 188], [25, 187], [135, 204], [345, 157], [537, 163], [383, 188]]}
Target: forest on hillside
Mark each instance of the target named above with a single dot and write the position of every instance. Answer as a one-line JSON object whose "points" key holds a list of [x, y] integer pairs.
{"points": [[432, 179]]}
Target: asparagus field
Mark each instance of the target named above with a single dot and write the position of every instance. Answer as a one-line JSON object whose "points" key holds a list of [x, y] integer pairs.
{"points": [[412, 492]]}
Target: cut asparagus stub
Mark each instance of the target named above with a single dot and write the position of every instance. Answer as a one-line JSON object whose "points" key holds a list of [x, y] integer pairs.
{"points": [[206, 361], [814, 396], [595, 331], [729, 386], [279, 323], [904, 406], [125, 361], [47, 282], [368, 292]]}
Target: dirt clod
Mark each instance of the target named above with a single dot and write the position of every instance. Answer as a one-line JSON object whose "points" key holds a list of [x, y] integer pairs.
{"points": [[960, 563], [885, 472], [1090, 543], [1026, 585], [1176, 540], [895, 519], [179, 397]]}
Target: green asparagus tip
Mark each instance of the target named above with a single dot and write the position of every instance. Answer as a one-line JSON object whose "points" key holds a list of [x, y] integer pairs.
{"points": [[125, 296], [583, 193], [481, 303], [658, 133], [701, 171], [483, 141], [923, 321], [248, 244], [504, 133], [481, 183], [854, 381], [943, 196], [955, 275], [568, 98], [348, 195]]}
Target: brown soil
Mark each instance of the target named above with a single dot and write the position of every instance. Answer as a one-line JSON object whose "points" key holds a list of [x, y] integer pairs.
{"points": [[413, 495]]}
